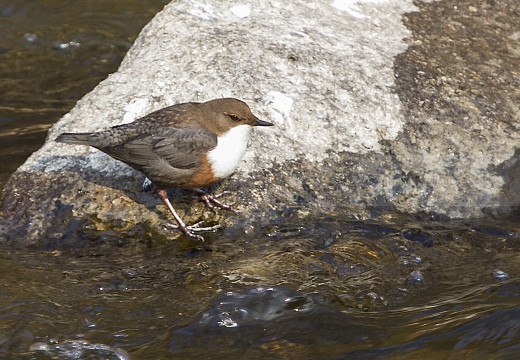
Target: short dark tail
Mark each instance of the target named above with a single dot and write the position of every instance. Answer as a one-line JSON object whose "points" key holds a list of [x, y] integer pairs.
{"points": [[79, 139]]}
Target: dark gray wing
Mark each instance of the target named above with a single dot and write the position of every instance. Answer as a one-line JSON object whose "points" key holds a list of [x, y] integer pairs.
{"points": [[183, 147], [165, 154]]}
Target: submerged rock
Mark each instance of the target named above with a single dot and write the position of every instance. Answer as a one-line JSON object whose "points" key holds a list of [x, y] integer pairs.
{"points": [[262, 316], [75, 349], [324, 73]]}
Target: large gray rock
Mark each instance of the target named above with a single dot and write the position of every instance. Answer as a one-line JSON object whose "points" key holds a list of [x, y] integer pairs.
{"points": [[324, 73]]}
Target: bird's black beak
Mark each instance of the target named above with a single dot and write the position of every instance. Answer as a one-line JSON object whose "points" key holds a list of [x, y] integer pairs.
{"points": [[259, 122]]}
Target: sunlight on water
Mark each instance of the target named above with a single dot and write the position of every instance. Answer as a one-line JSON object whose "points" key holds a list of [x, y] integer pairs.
{"points": [[333, 288]]}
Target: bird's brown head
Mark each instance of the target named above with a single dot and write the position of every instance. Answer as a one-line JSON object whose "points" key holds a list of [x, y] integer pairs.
{"points": [[229, 113]]}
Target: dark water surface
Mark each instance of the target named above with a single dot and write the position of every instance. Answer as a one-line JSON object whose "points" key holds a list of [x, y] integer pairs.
{"points": [[51, 54], [403, 288], [326, 287]]}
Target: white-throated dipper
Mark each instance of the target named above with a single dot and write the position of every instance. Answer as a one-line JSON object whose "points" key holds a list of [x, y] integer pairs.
{"points": [[190, 145]]}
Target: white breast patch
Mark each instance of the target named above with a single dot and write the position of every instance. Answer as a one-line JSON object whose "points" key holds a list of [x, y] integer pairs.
{"points": [[231, 146]]}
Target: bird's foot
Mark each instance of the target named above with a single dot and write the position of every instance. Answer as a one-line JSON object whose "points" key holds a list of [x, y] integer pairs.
{"points": [[191, 230], [211, 200]]}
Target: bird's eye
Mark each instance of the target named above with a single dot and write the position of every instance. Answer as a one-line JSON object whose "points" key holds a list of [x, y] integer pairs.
{"points": [[235, 117]]}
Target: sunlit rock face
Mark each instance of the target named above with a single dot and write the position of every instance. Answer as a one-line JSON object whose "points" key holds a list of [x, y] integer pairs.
{"points": [[333, 76]]}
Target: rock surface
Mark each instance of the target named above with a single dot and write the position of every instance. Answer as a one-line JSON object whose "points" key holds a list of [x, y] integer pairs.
{"points": [[363, 120]]}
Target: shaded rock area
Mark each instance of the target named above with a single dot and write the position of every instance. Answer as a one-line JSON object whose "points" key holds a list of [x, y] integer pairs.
{"points": [[364, 121], [459, 86]]}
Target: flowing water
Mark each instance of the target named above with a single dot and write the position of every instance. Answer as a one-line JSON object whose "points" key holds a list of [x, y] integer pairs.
{"points": [[325, 287], [330, 288]]}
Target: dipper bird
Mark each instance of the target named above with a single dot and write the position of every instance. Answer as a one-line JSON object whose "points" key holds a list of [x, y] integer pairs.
{"points": [[190, 145]]}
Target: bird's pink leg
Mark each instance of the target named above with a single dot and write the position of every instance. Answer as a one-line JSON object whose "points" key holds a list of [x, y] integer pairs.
{"points": [[187, 230]]}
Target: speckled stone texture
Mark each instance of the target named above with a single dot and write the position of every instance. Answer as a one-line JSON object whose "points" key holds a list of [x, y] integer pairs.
{"points": [[375, 111]]}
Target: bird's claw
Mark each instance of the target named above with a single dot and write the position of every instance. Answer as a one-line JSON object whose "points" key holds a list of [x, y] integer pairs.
{"points": [[212, 203], [191, 230]]}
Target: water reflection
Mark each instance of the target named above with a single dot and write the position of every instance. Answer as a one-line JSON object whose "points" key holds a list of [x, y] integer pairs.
{"points": [[272, 296]]}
